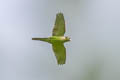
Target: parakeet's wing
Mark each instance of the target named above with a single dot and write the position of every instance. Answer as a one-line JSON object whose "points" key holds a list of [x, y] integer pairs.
{"points": [[60, 52], [59, 27]]}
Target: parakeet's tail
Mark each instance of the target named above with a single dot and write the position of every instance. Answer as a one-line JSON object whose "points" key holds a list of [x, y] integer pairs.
{"points": [[42, 39]]}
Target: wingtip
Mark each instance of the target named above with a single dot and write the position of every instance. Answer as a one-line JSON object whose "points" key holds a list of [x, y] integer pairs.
{"points": [[59, 13], [61, 62]]}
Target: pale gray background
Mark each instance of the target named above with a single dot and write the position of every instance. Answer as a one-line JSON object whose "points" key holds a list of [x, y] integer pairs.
{"points": [[93, 53]]}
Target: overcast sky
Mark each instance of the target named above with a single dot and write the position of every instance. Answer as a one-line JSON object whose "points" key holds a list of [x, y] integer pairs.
{"points": [[93, 53]]}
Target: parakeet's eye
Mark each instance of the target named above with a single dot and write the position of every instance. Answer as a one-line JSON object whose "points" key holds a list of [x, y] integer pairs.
{"points": [[67, 38]]}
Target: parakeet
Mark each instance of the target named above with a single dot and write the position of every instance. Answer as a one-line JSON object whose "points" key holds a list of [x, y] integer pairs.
{"points": [[58, 39]]}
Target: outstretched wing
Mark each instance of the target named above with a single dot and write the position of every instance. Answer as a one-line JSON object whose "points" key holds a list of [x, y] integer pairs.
{"points": [[59, 27], [60, 52]]}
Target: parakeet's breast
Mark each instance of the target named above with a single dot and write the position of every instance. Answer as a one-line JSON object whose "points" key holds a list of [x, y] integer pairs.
{"points": [[55, 39]]}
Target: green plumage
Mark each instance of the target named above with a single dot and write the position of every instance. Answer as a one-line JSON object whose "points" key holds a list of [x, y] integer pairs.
{"points": [[59, 27], [42, 39], [60, 52], [58, 39]]}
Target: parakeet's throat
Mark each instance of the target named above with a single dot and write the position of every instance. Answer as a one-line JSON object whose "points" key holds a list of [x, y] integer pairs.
{"points": [[65, 39]]}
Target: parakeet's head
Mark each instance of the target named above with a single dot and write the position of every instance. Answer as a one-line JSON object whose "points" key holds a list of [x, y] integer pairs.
{"points": [[67, 39]]}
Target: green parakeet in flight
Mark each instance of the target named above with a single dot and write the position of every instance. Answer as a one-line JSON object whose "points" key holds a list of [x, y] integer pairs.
{"points": [[58, 39]]}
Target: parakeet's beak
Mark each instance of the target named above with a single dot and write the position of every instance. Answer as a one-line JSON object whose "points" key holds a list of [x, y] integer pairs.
{"points": [[69, 38]]}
